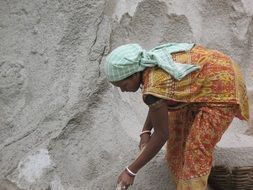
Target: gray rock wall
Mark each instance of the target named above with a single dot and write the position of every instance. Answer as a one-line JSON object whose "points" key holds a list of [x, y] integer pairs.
{"points": [[63, 126]]}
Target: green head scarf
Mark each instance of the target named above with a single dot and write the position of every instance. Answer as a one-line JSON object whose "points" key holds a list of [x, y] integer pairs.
{"points": [[128, 59]]}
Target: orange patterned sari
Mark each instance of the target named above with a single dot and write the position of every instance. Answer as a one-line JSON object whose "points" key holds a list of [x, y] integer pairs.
{"points": [[218, 81], [211, 97]]}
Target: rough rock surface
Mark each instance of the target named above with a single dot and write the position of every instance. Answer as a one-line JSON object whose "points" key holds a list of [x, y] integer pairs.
{"points": [[62, 125]]}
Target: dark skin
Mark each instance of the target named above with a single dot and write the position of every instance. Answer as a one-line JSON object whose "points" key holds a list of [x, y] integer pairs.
{"points": [[157, 119]]}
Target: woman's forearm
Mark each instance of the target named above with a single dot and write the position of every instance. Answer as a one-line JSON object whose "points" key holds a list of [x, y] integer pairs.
{"points": [[159, 118], [154, 145]]}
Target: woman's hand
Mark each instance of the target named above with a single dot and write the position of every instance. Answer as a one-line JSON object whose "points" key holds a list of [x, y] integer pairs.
{"points": [[144, 140], [125, 180]]}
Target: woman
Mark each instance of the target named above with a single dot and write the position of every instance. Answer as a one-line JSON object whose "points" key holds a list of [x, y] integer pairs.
{"points": [[193, 94]]}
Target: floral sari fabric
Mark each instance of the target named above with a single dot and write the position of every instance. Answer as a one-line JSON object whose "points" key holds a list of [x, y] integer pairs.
{"points": [[210, 99], [193, 134], [218, 81]]}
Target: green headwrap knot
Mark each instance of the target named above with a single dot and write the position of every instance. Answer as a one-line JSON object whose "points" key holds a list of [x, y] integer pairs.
{"points": [[128, 59]]}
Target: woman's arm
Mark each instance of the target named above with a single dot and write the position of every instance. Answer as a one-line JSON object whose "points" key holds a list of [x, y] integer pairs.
{"points": [[145, 137], [148, 124], [158, 114]]}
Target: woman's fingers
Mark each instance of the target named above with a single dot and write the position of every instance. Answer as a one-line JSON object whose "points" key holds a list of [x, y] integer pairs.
{"points": [[125, 180], [120, 186]]}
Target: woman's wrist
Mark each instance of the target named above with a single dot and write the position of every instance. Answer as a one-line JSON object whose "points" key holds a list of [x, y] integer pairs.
{"points": [[129, 172]]}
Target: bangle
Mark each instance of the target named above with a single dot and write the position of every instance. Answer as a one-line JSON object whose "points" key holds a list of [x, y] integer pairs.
{"points": [[129, 172], [146, 131]]}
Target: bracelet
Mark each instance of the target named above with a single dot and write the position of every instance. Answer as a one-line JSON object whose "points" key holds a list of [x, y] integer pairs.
{"points": [[146, 131], [129, 172]]}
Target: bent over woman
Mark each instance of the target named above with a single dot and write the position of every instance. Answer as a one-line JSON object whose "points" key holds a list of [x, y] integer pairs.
{"points": [[193, 94]]}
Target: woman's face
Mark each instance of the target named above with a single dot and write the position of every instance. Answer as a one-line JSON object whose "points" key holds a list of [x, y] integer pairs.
{"points": [[130, 84]]}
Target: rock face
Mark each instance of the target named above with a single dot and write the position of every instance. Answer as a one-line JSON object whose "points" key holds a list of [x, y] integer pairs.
{"points": [[63, 126]]}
